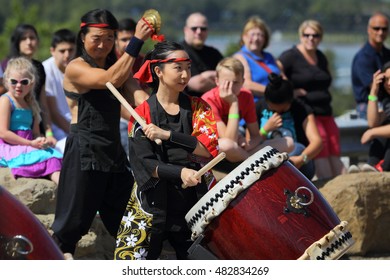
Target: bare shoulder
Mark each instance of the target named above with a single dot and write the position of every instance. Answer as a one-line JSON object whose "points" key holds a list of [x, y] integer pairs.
{"points": [[76, 75], [76, 65], [4, 99], [238, 55], [241, 58]]}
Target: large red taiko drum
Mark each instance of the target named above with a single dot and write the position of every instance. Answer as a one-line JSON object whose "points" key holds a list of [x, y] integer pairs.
{"points": [[22, 235], [265, 209]]}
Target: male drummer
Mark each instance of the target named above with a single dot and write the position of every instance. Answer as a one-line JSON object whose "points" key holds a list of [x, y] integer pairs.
{"points": [[230, 103]]}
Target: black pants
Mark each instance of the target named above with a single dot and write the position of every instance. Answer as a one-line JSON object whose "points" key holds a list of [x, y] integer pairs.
{"points": [[81, 194], [169, 203], [380, 149]]}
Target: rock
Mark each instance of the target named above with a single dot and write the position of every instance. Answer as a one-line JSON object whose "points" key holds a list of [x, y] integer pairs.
{"points": [[363, 200], [37, 194], [98, 244]]}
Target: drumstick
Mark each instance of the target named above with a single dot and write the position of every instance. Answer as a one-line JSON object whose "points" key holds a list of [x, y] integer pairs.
{"points": [[125, 104], [208, 166]]}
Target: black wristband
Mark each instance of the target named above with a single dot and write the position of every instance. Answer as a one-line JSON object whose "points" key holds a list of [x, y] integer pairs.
{"points": [[168, 171], [188, 142], [134, 46]]}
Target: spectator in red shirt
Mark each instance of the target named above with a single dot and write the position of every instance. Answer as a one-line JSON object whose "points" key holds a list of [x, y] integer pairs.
{"points": [[230, 102]]}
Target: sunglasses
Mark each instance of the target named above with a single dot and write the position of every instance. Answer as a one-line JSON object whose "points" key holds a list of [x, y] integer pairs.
{"points": [[377, 28], [202, 28], [315, 35], [23, 82]]}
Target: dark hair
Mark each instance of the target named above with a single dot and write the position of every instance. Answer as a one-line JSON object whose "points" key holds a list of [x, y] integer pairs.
{"points": [[161, 51], [63, 36], [17, 36], [127, 24], [382, 91], [278, 90], [95, 17]]}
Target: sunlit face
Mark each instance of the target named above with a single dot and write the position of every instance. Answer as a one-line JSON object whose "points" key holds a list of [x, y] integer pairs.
{"points": [[254, 39], [175, 75], [98, 43], [28, 44], [196, 31], [279, 108], [386, 81], [310, 38], [377, 30], [226, 75], [63, 53], [122, 40], [19, 84]]}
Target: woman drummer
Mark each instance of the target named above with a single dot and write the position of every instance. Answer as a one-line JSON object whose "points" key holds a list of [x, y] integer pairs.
{"points": [[95, 176], [158, 205]]}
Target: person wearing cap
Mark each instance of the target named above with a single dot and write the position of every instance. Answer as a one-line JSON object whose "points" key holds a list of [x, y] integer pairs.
{"points": [[96, 174]]}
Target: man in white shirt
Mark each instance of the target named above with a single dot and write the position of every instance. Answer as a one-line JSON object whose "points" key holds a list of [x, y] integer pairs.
{"points": [[63, 49]]}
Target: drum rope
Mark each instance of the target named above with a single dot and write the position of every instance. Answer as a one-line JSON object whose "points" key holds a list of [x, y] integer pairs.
{"points": [[334, 246]]}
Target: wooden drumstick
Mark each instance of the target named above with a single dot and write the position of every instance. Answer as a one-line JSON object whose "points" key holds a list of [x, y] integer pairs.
{"points": [[208, 166], [126, 104]]}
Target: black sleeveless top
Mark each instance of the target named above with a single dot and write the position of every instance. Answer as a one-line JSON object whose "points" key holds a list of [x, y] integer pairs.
{"points": [[98, 131]]}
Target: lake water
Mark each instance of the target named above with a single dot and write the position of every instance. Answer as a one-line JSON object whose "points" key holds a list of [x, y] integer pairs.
{"points": [[344, 54]]}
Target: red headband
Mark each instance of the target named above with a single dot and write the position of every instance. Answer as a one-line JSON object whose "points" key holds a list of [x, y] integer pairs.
{"points": [[154, 36], [144, 74], [99, 25]]}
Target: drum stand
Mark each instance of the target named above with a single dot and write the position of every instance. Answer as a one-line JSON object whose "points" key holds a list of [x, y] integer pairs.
{"points": [[198, 252]]}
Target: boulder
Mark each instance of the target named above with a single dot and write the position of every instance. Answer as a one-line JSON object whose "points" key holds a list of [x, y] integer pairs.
{"points": [[363, 200], [39, 195]]}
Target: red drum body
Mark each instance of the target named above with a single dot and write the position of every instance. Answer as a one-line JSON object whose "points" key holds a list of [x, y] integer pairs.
{"points": [[22, 236], [266, 209]]}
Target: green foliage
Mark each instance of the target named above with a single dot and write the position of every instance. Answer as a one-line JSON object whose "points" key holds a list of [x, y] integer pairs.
{"points": [[231, 49], [342, 101], [31, 15]]}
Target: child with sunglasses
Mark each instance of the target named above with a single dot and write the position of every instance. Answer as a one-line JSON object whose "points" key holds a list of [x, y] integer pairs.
{"points": [[22, 149]]}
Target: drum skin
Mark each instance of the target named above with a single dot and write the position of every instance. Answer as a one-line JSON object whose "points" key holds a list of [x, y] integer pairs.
{"points": [[17, 220], [256, 225]]}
